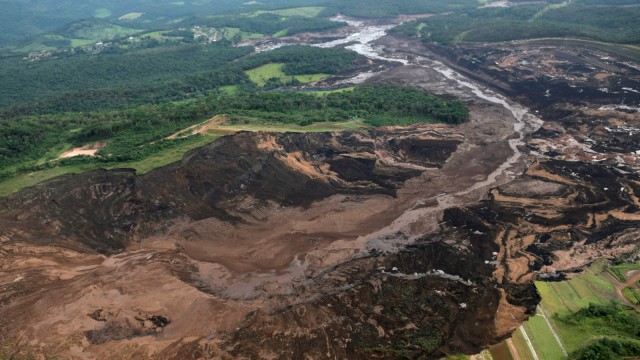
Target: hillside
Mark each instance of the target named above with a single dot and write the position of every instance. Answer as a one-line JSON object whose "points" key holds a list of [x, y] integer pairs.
{"points": [[320, 179]]}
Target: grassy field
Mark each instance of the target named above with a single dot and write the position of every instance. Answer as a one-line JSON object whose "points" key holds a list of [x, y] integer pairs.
{"points": [[261, 74], [102, 13], [567, 297], [158, 159], [248, 35], [544, 343], [173, 154], [81, 42], [22, 181], [98, 32], [131, 16], [309, 78], [521, 345], [325, 92], [230, 32], [561, 302], [632, 294], [229, 89], [307, 11], [548, 8], [282, 32], [167, 156], [592, 286], [620, 271]]}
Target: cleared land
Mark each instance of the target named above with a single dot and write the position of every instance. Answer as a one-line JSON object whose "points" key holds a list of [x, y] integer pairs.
{"points": [[206, 133], [620, 271], [544, 343], [131, 16], [561, 301], [262, 74], [307, 11]]}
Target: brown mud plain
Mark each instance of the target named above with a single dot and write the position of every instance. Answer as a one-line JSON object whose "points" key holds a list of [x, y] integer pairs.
{"points": [[397, 242]]}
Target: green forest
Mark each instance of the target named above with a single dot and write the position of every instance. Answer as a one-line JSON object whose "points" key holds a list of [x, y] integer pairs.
{"points": [[623, 323], [266, 23], [142, 76], [609, 24], [392, 8], [378, 106], [138, 132], [20, 21], [62, 87]]}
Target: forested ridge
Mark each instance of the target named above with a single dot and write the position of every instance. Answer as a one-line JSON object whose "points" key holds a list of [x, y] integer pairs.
{"points": [[609, 23], [138, 132], [155, 75], [266, 23]]}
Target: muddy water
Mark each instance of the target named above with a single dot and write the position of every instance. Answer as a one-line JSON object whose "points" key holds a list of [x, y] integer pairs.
{"points": [[525, 122], [361, 40], [364, 36]]}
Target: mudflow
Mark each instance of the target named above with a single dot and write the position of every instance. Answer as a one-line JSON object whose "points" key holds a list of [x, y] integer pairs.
{"points": [[386, 243]]}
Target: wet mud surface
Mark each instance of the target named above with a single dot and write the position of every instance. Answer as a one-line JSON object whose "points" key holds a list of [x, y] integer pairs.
{"points": [[398, 242]]}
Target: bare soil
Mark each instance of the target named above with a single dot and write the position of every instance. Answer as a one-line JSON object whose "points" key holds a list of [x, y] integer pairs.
{"points": [[331, 245], [86, 150]]}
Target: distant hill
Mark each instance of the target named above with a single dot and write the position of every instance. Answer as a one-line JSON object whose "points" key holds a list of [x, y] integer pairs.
{"points": [[19, 19]]}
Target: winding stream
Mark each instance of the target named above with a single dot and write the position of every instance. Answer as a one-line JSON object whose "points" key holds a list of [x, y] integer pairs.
{"points": [[361, 41]]}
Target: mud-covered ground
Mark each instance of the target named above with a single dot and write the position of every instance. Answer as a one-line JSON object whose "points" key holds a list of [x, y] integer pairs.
{"points": [[588, 94], [388, 243]]}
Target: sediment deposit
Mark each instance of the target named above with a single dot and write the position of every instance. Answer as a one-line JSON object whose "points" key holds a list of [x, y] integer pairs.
{"points": [[383, 243]]}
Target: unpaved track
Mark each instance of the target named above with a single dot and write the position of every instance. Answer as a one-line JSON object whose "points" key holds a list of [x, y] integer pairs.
{"points": [[513, 350], [631, 282], [553, 331]]}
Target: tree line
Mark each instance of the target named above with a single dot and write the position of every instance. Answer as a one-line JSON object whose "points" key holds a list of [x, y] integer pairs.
{"points": [[145, 76], [606, 23], [133, 134]]}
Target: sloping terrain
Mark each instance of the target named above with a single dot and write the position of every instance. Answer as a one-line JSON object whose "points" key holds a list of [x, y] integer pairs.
{"points": [[267, 223], [398, 242]]}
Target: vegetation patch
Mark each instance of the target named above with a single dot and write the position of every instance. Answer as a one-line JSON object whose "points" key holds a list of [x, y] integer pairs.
{"points": [[304, 60], [280, 33], [529, 22], [133, 136], [102, 13], [169, 155], [608, 349], [631, 294], [160, 73], [587, 315], [273, 74], [541, 336], [94, 29], [521, 346], [266, 23], [261, 74], [131, 16], [376, 105], [392, 8], [619, 271], [307, 11], [81, 42], [326, 92]]}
